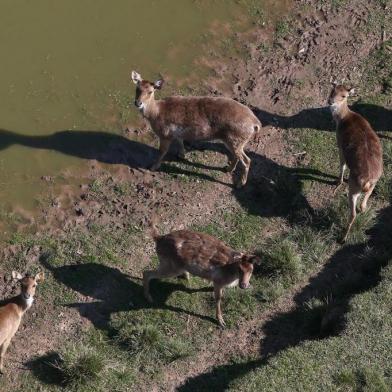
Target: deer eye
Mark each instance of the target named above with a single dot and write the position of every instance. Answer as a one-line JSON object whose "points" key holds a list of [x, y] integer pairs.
{"points": [[150, 92]]}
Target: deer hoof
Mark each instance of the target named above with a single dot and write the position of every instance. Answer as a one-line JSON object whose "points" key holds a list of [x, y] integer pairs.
{"points": [[221, 322]]}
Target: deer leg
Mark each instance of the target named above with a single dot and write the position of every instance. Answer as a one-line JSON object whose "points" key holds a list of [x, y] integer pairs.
{"points": [[246, 162], [233, 160], [164, 145], [162, 272], [353, 198], [341, 174], [181, 151], [218, 297], [3, 350], [366, 198]]}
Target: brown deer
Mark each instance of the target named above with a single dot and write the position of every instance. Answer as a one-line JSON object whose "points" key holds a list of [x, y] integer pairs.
{"points": [[197, 118], [12, 311], [359, 149], [187, 252]]}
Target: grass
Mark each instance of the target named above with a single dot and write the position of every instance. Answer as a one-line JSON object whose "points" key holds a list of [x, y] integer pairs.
{"points": [[384, 185], [238, 229], [281, 259], [80, 366], [367, 379], [357, 360], [335, 336], [255, 10], [147, 344], [283, 28]]}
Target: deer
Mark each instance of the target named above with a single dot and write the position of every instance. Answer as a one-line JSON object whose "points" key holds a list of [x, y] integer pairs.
{"points": [[13, 309], [359, 149], [185, 252], [197, 118]]}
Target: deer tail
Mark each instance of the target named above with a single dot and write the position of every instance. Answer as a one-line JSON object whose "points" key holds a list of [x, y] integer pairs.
{"points": [[258, 125]]}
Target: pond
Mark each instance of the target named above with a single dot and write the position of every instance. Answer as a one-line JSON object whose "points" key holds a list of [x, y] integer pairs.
{"points": [[66, 66]]}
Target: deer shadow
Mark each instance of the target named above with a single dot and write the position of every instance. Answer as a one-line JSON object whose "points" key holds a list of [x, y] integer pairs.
{"points": [[321, 119], [85, 144], [272, 189], [109, 291]]}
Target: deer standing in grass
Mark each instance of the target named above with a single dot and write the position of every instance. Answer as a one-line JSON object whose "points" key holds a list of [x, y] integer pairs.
{"points": [[359, 149], [197, 118], [12, 311], [185, 252]]}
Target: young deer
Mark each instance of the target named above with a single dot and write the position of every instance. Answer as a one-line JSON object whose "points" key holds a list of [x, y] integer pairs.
{"points": [[359, 149], [197, 118], [12, 311], [187, 252]]}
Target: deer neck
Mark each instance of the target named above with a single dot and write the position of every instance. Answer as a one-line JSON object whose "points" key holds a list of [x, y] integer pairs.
{"points": [[23, 303], [339, 111], [151, 110]]}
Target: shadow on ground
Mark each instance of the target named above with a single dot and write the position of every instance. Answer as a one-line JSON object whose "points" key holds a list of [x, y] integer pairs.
{"points": [[320, 118], [46, 369], [353, 269], [102, 146], [108, 290]]}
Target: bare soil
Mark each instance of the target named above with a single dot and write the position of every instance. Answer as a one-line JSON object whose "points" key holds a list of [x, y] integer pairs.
{"points": [[286, 80]]}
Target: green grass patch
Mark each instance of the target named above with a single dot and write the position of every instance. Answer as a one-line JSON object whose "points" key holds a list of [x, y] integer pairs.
{"points": [[283, 28], [237, 228], [281, 259], [80, 366], [148, 345], [357, 360]]}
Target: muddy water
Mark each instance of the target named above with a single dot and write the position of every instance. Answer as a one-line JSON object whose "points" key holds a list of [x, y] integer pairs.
{"points": [[65, 65]]}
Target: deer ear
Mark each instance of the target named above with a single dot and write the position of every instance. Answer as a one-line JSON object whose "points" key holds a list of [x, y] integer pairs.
{"points": [[351, 91], [16, 275], [158, 84], [136, 78], [40, 277]]}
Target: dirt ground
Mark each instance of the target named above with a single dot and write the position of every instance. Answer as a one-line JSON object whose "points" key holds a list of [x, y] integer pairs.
{"points": [[285, 79]]}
